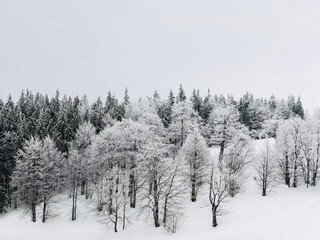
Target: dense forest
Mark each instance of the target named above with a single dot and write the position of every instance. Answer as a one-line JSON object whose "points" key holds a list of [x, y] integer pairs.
{"points": [[149, 153]]}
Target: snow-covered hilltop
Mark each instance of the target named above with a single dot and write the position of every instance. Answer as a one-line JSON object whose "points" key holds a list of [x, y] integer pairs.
{"points": [[157, 168]]}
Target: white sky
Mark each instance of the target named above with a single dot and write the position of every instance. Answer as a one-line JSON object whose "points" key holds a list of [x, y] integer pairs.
{"points": [[92, 46]]}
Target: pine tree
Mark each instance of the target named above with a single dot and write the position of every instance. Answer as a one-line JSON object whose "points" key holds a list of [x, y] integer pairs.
{"points": [[298, 109], [3, 197], [181, 97], [63, 129], [207, 107], [171, 98], [9, 115], [126, 98], [196, 101], [8, 149], [97, 115], [54, 110]]}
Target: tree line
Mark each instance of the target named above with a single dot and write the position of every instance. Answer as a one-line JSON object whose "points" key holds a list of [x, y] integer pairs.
{"points": [[148, 153]]}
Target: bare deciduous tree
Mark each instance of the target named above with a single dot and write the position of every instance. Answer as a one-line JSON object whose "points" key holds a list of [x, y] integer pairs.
{"points": [[265, 169]]}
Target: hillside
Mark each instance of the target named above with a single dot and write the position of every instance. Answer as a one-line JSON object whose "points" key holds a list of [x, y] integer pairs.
{"points": [[286, 213]]}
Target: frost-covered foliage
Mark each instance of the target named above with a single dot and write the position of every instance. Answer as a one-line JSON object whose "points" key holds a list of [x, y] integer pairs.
{"points": [[196, 158], [142, 156], [266, 168], [79, 164], [38, 174]]}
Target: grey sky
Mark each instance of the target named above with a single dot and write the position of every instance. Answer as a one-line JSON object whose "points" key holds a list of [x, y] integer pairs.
{"points": [[92, 46]]}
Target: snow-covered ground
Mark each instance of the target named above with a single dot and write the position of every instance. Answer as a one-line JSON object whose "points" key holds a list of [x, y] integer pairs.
{"points": [[285, 214]]}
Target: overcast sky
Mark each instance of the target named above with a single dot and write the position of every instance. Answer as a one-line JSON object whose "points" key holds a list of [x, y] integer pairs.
{"points": [[92, 46]]}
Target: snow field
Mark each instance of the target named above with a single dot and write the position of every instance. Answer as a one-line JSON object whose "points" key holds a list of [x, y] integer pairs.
{"points": [[285, 214]]}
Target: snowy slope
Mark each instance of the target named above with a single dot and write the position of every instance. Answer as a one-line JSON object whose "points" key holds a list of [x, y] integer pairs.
{"points": [[285, 214]]}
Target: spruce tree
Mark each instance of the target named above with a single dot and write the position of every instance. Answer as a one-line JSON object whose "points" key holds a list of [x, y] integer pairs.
{"points": [[3, 197], [63, 129], [181, 97], [298, 109], [97, 115]]}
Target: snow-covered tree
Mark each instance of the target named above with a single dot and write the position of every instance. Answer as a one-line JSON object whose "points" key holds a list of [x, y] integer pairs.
{"points": [[224, 125], [37, 174], [79, 163], [265, 166], [27, 175], [135, 109], [196, 157], [308, 153], [52, 174], [181, 97], [218, 191], [97, 115], [237, 156], [183, 117], [162, 186], [63, 129], [3, 197], [290, 151], [8, 149], [316, 159]]}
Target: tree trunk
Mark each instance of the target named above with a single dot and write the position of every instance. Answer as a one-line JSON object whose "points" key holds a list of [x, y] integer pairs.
{"points": [[110, 202], [83, 186], [314, 178], [182, 133], [116, 221], [156, 204], [315, 171], [132, 190], [308, 173], [214, 217], [295, 177], [33, 212], [74, 202], [87, 190], [221, 152], [164, 220], [44, 212], [193, 188], [287, 173], [124, 215]]}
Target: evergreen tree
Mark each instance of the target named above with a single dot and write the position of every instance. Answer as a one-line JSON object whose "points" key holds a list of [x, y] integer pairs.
{"points": [[8, 149], [181, 97], [126, 98], [224, 124], [54, 110], [113, 108], [27, 175], [97, 115], [63, 129], [3, 197], [9, 116], [298, 109], [207, 107], [182, 117], [171, 98], [196, 101]]}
